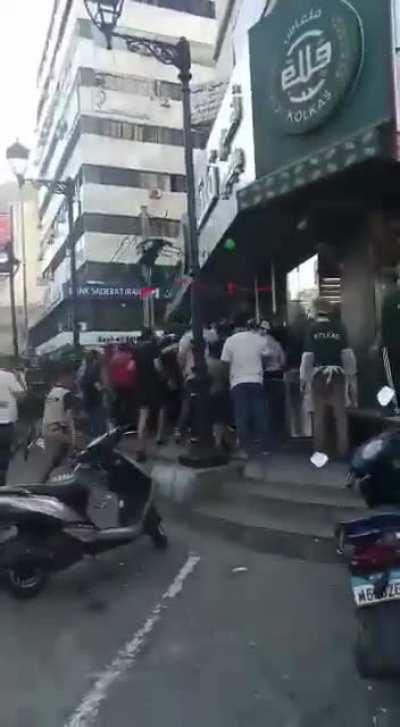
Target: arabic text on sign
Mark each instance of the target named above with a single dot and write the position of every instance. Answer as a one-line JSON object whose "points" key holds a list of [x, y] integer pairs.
{"points": [[309, 61]]}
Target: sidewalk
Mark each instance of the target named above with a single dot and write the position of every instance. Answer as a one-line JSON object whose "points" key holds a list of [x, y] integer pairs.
{"points": [[280, 504]]}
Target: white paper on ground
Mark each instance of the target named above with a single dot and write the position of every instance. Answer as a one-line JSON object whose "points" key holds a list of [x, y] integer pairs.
{"points": [[319, 459], [385, 396]]}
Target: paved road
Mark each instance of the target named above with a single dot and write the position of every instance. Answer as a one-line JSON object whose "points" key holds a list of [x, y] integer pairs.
{"points": [[141, 638]]}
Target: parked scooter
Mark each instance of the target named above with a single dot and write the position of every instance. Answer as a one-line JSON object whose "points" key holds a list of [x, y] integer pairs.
{"points": [[371, 547], [107, 501]]}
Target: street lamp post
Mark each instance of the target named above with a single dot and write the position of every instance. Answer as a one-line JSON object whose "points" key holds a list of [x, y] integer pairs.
{"points": [[13, 267], [105, 15], [18, 157]]}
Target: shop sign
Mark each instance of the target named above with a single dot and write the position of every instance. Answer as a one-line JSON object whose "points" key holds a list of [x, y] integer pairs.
{"points": [[236, 168], [101, 291], [228, 134], [208, 187], [321, 74], [106, 291], [218, 179], [320, 60]]}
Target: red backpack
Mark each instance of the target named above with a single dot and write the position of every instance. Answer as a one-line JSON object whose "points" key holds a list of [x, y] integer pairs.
{"points": [[123, 370]]}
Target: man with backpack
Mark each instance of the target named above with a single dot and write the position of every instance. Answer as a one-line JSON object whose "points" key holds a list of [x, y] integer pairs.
{"points": [[122, 377]]}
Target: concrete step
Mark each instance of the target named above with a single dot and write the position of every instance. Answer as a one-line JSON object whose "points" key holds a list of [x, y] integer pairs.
{"points": [[323, 508], [296, 469], [264, 533]]}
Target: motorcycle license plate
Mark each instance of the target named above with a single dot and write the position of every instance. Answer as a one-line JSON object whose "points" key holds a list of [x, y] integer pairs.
{"points": [[363, 589]]}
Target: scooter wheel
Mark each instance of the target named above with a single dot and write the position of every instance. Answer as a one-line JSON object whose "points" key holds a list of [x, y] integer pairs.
{"points": [[25, 581], [376, 652], [160, 538]]}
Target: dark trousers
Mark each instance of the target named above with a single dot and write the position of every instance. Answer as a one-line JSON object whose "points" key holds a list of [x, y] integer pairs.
{"points": [[97, 416], [250, 406], [186, 412], [6, 442], [122, 408]]}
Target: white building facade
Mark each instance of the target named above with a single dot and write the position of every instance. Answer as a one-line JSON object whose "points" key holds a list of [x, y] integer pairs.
{"points": [[112, 121]]}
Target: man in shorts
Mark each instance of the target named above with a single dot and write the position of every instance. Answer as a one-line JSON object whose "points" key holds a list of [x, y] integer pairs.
{"points": [[58, 420]]}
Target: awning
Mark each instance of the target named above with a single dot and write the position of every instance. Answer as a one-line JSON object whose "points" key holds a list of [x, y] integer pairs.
{"points": [[365, 145]]}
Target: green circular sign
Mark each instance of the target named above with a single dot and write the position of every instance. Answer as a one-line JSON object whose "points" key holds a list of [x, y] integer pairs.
{"points": [[322, 52]]}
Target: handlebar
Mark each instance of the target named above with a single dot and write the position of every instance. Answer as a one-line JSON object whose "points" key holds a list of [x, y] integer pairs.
{"points": [[106, 441]]}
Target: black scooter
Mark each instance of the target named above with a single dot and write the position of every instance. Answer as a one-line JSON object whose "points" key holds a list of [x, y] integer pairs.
{"points": [[107, 501]]}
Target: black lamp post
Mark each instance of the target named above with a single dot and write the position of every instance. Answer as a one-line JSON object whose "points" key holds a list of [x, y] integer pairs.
{"points": [[105, 15], [18, 157]]}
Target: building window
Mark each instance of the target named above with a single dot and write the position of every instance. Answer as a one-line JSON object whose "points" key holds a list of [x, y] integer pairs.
{"points": [[204, 8], [139, 132], [131, 84], [119, 177]]}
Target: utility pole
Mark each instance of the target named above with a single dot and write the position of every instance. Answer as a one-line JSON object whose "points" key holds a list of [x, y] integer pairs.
{"points": [[70, 196], [14, 326]]}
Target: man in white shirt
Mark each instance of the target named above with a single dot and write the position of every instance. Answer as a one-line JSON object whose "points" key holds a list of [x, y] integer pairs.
{"points": [[245, 353], [11, 391]]}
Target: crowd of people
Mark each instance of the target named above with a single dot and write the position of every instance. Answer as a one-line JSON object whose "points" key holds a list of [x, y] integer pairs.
{"points": [[150, 384]]}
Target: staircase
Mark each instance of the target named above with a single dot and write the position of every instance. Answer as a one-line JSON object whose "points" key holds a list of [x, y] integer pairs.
{"points": [[283, 506]]}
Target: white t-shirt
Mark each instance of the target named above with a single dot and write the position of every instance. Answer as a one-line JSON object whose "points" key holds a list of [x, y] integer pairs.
{"points": [[9, 387], [244, 351]]}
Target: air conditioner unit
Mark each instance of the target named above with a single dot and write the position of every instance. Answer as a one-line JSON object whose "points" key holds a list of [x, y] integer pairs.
{"points": [[155, 193], [165, 102], [100, 79]]}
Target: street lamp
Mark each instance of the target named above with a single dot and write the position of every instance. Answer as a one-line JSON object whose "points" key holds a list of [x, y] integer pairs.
{"points": [[105, 15], [18, 157]]}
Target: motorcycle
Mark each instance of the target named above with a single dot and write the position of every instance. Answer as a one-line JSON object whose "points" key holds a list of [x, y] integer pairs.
{"points": [[105, 502], [371, 547]]}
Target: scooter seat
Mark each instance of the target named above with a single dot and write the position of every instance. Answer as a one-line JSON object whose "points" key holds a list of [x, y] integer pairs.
{"points": [[71, 493], [374, 523]]}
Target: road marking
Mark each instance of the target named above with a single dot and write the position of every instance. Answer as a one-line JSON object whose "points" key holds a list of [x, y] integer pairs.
{"points": [[88, 710]]}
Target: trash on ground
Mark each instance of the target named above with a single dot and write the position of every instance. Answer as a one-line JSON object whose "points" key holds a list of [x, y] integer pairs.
{"points": [[240, 569], [385, 396], [319, 459]]}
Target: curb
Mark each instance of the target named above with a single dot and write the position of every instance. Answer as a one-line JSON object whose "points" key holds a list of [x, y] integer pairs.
{"points": [[184, 485], [261, 539]]}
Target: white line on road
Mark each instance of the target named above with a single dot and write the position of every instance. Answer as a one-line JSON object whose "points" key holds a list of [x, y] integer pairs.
{"points": [[88, 709]]}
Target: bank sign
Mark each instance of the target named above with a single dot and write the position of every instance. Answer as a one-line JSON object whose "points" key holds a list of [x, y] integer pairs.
{"points": [[320, 72]]}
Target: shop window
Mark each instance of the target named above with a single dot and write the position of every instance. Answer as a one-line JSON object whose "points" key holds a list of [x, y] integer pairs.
{"points": [[203, 8]]}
